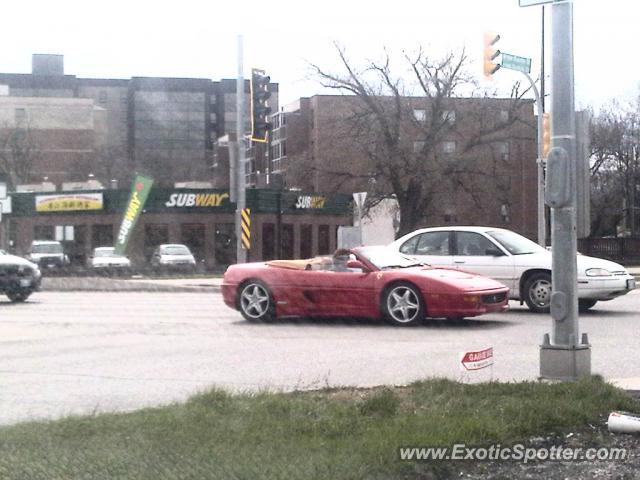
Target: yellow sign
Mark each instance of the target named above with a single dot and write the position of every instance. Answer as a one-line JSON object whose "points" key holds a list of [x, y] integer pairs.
{"points": [[69, 202]]}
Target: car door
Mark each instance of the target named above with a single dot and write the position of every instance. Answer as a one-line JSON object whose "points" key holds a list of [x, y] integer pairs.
{"points": [[433, 248], [333, 292], [473, 252]]}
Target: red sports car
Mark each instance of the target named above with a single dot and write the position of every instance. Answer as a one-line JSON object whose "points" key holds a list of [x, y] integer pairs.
{"points": [[368, 282]]}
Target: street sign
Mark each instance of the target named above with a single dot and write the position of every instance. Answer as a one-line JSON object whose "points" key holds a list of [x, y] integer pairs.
{"points": [[476, 360], [530, 3], [513, 62]]}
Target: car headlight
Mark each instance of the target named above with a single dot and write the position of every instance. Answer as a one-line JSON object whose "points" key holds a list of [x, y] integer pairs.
{"points": [[598, 272]]}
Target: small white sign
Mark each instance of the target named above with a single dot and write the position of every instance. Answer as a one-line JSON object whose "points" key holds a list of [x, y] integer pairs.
{"points": [[359, 198], [476, 360]]}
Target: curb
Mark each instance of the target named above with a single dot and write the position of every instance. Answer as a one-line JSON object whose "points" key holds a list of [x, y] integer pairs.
{"points": [[98, 284]]}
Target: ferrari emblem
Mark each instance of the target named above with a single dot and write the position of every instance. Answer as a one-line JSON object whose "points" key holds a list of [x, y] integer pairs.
{"points": [[379, 275]]}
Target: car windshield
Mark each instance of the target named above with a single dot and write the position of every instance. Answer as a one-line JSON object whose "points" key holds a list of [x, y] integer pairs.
{"points": [[46, 248], [104, 252], [385, 258], [175, 250], [514, 243]]}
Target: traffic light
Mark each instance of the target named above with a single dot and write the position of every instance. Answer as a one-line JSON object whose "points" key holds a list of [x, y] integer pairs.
{"points": [[490, 54], [546, 134], [260, 109]]}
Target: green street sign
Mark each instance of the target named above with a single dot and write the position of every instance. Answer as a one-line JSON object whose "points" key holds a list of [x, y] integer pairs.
{"points": [[513, 62]]}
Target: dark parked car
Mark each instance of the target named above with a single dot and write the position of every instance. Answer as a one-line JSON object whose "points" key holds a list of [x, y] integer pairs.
{"points": [[19, 278]]}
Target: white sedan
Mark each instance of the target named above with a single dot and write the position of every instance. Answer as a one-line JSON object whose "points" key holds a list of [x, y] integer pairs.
{"points": [[104, 259], [516, 261]]}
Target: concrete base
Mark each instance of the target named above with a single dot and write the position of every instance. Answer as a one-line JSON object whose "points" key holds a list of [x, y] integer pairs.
{"points": [[563, 362]]}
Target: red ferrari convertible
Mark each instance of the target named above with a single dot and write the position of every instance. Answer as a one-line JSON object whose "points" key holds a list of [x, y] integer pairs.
{"points": [[371, 282]]}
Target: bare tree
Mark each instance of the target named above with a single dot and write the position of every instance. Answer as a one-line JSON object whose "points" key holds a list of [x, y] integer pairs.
{"points": [[615, 169], [404, 127], [18, 152]]}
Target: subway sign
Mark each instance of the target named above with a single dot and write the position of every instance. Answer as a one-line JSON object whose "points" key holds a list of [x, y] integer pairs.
{"points": [[180, 200], [310, 201]]}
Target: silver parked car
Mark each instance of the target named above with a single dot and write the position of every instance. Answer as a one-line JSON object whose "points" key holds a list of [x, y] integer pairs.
{"points": [[173, 256]]}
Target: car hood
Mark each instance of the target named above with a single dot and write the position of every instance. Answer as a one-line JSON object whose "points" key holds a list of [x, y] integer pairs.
{"points": [[176, 257], [584, 262], [48, 255], [459, 279], [15, 260], [110, 261]]}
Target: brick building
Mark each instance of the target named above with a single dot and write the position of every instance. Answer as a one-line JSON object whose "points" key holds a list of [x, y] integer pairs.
{"points": [[164, 127], [315, 147]]}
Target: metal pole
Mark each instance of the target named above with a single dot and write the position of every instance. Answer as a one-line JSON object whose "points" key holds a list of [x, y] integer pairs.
{"points": [[539, 161], [565, 356], [241, 253]]}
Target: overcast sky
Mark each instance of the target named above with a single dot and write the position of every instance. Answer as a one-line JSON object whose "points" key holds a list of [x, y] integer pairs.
{"points": [[190, 38]]}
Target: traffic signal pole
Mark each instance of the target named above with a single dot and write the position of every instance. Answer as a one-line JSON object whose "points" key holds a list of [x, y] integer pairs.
{"points": [[240, 180], [563, 356]]}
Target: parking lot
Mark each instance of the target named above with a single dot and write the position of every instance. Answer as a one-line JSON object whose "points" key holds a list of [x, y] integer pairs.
{"points": [[84, 352]]}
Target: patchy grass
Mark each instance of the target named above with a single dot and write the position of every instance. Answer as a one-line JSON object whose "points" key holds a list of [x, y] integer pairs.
{"points": [[335, 434]]}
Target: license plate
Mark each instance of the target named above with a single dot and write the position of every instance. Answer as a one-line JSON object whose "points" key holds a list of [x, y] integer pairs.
{"points": [[25, 282], [631, 284]]}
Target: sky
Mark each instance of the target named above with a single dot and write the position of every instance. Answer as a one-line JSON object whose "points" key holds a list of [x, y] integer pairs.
{"points": [[198, 39]]}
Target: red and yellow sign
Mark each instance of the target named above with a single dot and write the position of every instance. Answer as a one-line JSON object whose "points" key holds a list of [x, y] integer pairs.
{"points": [[69, 202]]}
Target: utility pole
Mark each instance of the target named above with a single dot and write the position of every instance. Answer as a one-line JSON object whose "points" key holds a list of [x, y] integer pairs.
{"points": [[563, 356], [240, 190]]}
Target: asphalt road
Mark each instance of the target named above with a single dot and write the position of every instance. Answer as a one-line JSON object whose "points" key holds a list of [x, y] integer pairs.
{"points": [[82, 352]]}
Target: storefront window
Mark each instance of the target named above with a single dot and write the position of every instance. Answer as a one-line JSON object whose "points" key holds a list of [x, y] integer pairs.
{"points": [[268, 241], [192, 235], [225, 244], [43, 232], [306, 241], [323, 240], [101, 235], [154, 235], [286, 241]]}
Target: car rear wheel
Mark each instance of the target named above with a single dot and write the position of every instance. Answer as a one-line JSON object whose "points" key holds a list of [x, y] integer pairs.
{"points": [[256, 302], [17, 296], [402, 305], [537, 292], [585, 304]]}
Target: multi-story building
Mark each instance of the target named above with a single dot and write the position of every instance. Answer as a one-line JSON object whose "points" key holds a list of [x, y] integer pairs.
{"points": [[164, 127], [318, 146]]}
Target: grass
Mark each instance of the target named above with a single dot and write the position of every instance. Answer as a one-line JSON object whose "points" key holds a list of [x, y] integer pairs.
{"points": [[331, 434]]}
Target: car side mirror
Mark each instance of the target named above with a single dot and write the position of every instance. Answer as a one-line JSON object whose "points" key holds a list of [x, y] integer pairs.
{"points": [[357, 264], [494, 252]]}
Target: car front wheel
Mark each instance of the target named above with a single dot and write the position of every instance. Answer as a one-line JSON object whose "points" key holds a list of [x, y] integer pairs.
{"points": [[256, 302], [537, 292], [402, 305], [17, 296]]}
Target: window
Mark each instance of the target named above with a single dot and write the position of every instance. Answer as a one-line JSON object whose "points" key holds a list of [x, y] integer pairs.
{"points": [[154, 235], [433, 243], [449, 146], [43, 232], [449, 116], [306, 241], [21, 116], [192, 235], [286, 241], [420, 115], [503, 150], [323, 240], [224, 249], [101, 235], [418, 146], [268, 241], [472, 244]]}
